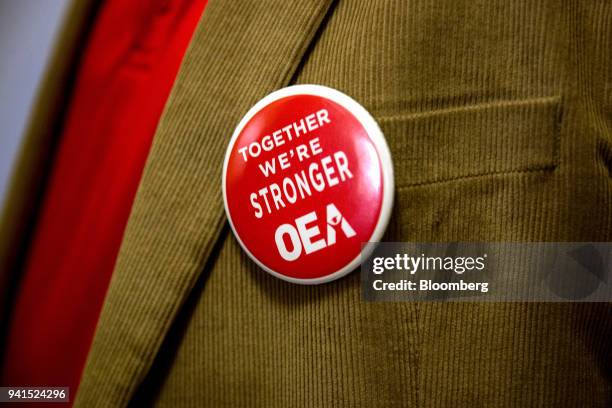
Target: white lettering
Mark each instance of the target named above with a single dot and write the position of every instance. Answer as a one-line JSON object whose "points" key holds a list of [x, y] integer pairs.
{"points": [[281, 232]]}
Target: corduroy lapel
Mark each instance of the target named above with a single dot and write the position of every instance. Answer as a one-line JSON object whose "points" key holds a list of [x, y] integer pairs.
{"points": [[241, 51]]}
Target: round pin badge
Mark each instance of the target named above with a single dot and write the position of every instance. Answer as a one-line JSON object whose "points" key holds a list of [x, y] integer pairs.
{"points": [[307, 180]]}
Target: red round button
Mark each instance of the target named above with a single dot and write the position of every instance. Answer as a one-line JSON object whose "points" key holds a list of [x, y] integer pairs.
{"points": [[307, 179]]}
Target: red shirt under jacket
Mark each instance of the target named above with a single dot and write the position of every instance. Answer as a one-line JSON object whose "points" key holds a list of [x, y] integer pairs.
{"points": [[128, 68]]}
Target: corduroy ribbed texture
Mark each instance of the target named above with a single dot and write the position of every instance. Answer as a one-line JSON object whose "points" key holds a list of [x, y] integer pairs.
{"points": [[498, 115], [238, 53]]}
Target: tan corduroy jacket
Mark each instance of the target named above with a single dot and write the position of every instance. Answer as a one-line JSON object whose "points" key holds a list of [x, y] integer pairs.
{"points": [[499, 119]]}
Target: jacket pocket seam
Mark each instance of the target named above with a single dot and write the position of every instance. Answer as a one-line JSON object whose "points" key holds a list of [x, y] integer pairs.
{"points": [[477, 141], [504, 103], [478, 176]]}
